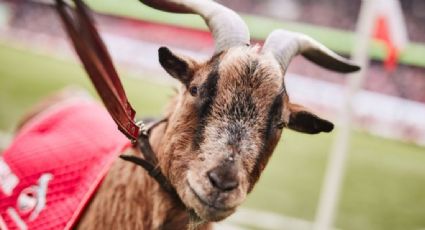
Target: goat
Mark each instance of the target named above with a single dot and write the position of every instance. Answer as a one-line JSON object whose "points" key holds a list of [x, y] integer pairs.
{"points": [[220, 129]]}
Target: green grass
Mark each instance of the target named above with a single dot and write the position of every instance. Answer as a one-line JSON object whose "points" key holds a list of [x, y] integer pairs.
{"points": [[384, 185], [385, 180], [26, 78], [338, 40]]}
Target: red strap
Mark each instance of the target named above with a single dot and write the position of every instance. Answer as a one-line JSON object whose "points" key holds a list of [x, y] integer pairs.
{"points": [[98, 64]]}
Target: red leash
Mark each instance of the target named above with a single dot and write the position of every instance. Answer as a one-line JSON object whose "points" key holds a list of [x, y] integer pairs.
{"points": [[98, 64]]}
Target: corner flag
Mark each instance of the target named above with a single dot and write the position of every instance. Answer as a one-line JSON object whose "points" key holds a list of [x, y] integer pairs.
{"points": [[390, 29]]}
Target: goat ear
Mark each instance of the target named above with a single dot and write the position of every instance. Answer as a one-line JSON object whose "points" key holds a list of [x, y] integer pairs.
{"points": [[301, 120], [179, 67]]}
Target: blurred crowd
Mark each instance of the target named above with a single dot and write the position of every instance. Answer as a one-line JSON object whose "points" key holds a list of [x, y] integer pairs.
{"points": [[407, 82], [340, 14]]}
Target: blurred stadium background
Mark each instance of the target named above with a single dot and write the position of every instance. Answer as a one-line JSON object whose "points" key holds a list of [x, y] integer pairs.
{"points": [[384, 183]]}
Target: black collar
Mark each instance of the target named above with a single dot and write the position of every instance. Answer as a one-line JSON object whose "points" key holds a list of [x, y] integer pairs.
{"points": [[149, 162]]}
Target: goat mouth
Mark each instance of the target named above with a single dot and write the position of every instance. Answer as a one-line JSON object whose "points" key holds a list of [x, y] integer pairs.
{"points": [[204, 202]]}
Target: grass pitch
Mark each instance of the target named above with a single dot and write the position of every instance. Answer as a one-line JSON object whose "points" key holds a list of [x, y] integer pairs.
{"points": [[384, 187]]}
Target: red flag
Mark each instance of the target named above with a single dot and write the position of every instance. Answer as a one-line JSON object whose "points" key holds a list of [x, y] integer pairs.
{"points": [[382, 34]]}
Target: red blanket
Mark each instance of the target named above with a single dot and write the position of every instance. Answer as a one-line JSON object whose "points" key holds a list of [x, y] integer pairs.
{"points": [[54, 165]]}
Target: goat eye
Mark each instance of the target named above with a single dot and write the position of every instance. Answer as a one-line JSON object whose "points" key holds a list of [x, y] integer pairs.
{"points": [[193, 90], [281, 125]]}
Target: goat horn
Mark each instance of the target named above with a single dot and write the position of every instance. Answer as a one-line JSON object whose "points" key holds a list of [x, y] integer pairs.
{"points": [[227, 27], [285, 45]]}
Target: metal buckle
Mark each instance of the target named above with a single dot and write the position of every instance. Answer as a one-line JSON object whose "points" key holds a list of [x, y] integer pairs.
{"points": [[142, 131]]}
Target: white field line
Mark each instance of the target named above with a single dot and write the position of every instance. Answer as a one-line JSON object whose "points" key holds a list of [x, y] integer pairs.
{"points": [[227, 226], [263, 220]]}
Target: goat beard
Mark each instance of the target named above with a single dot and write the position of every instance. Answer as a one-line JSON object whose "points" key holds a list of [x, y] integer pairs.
{"points": [[194, 220]]}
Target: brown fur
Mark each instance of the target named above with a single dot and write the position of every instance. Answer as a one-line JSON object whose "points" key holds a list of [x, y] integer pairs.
{"points": [[173, 144], [232, 122], [130, 199]]}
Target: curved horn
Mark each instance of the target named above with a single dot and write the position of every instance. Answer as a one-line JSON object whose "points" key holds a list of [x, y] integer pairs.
{"points": [[285, 45], [227, 27]]}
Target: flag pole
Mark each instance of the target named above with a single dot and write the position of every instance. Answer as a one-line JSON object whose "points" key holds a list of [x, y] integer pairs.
{"points": [[331, 187]]}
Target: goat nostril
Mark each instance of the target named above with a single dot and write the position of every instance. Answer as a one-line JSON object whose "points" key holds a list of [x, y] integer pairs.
{"points": [[214, 179], [222, 182]]}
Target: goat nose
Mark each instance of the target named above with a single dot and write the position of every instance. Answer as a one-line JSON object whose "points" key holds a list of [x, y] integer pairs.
{"points": [[224, 178]]}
